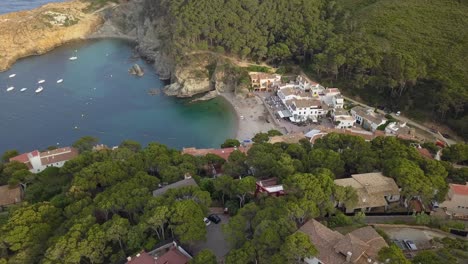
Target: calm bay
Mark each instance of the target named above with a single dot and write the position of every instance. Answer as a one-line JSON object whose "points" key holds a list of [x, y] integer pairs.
{"points": [[98, 97]]}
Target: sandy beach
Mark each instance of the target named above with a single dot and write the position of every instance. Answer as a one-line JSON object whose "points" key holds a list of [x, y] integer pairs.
{"points": [[252, 116]]}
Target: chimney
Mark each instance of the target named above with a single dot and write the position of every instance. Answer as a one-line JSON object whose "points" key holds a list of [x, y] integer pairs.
{"points": [[129, 258], [348, 256]]}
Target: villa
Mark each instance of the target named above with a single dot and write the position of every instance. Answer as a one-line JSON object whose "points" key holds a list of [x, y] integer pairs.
{"points": [[373, 190], [38, 161], [342, 118], [456, 202], [264, 81], [361, 246], [368, 118]]}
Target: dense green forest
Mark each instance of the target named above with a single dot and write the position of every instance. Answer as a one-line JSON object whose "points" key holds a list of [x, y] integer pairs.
{"points": [[99, 207], [405, 55]]}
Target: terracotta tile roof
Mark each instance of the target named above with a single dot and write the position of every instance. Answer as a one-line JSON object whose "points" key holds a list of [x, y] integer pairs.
{"points": [[425, 153], [9, 195], [173, 256], [142, 258], [223, 153], [352, 244], [23, 158], [459, 189], [372, 238], [332, 90], [58, 155], [323, 239], [362, 243]]}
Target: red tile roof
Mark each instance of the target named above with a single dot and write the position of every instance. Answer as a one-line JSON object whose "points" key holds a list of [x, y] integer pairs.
{"points": [[223, 153], [58, 155], [425, 153], [173, 256], [142, 258], [459, 189], [23, 158]]}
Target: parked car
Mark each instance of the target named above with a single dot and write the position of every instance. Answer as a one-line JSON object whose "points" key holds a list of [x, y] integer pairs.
{"points": [[447, 136], [207, 221], [398, 113], [410, 244], [214, 218]]}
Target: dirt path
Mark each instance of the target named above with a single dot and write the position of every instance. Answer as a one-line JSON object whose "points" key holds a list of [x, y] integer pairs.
{"points": [[236, 61]]}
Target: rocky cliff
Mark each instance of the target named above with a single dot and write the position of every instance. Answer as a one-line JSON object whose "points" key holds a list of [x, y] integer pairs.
{"points": [[40, 30], [143, 22], [204, 72]]}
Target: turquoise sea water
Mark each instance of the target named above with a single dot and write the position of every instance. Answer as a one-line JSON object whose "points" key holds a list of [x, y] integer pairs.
{"points": [[98, 97]]}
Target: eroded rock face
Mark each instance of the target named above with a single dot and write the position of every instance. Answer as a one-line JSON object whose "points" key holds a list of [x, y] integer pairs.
{"points": [[37, 31], [141, 21]]}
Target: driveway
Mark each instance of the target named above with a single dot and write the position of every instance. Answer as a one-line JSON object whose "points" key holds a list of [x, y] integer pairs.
{"points": [[420, 237], [215, 240]]}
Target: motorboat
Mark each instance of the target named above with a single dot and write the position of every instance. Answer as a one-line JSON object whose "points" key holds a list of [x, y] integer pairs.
{"points": [[41, 81], [12, 75], [73, 58], [60, 81], [23, 89], [39, 89], [10, 88]]}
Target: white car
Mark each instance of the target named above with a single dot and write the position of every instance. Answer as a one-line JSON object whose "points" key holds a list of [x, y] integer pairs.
{"points": [[410, 244], [207, 221]]}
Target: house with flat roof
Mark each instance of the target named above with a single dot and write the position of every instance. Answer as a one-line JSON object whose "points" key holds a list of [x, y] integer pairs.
{"points": [[10, 195], [456, 201], [361, 246], [38, 161], [367, 117], [374, 190]]}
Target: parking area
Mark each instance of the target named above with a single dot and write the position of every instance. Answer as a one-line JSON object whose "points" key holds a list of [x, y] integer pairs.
{"points": [[215, 239], [421, 238]]}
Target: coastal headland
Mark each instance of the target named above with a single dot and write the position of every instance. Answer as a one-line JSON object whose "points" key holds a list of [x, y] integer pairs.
{"points": [[37, 31]]}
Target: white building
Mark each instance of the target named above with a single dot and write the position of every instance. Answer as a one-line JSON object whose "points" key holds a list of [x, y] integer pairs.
{"points": [[368, 118], [338, 101], [39, 161]]}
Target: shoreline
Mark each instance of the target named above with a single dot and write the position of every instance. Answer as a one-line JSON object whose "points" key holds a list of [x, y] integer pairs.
{"points": [[251, 116]]}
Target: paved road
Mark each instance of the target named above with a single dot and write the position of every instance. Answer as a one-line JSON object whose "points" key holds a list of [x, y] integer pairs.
{"points": [[215, 240]]}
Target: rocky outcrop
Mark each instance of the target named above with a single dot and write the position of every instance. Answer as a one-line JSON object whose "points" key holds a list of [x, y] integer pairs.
{"points": [[37, 31], [136, 70], [202, 72], [141, 21]]}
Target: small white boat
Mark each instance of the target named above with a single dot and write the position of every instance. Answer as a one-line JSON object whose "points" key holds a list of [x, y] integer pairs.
{"points": [[10, 88], [41, 81], [23, 89], [73, 58], [12, 75], [39, 89], [60, 81]]}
